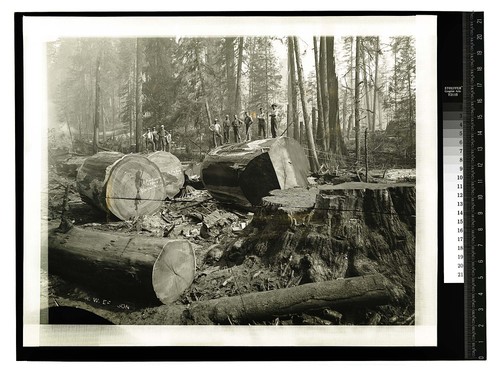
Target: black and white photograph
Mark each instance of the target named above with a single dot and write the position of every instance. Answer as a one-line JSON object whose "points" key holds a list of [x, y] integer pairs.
{"points": [[230, 181]]}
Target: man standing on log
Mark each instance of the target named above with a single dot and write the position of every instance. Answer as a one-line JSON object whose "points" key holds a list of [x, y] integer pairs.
{"points": [[274, 121], [248, 123], [148, 136], [262, 123], [162, 135], [168, 139], [226, 125], [156, 139], [236, 128], [215, 128]]}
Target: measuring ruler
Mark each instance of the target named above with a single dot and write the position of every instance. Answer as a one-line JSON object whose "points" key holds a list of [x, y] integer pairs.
{"points": [[474, 188]]}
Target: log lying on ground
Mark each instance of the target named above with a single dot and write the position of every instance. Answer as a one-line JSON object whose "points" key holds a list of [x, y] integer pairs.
{"points": [[128, 186], [245, 172], [171, 171], [145, 270], [70, 166], [365, 291]]}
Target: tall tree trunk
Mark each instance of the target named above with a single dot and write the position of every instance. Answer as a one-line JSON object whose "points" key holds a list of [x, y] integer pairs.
{"points": [[97, 109], [395, 80], [237, 102], [230, 79], [375, 83], [379, 107], [103, 118], [336, 141], [356, 99], [308, 129], [131, 107], [324, 90], [320, 135], [69, 130], [138, 97], [112, 104], [351, 96], [410, 111], [293, 90], [365, 85], [267, 87], [344, 112]]}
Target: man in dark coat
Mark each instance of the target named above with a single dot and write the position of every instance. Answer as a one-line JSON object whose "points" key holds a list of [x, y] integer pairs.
{"points": [[248, 123], [236, 128]]}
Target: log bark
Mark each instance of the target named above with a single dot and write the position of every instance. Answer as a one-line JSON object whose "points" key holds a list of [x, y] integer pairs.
{"points": [[117, 266], [338, 294], [242, 174], [127, 186], [171, 171]]}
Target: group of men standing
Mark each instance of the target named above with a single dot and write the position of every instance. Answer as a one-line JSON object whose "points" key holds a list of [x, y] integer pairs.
{"points": [[158, 140], [221, 135]]}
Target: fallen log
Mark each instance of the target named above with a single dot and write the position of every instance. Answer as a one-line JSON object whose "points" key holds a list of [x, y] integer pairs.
{"points": [[144, 270], [171, 171], [127, 186], [366, 291], [69, 167], [243, 173]]}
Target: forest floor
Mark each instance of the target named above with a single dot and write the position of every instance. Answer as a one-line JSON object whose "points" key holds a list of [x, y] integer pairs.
{"points": [[211, 228]]}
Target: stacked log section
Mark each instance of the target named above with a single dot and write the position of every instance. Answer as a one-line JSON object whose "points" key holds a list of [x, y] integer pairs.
{"points": [[127, 186], [171, 171], [115, 266], [244, 173]]}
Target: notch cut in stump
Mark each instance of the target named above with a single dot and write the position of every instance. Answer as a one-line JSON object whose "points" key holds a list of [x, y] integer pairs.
{"points": [[171, 171], [127, 186], [138, 269], [244, 173]]}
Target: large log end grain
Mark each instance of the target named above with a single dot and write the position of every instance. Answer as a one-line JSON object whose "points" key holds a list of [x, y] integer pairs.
{"points": [[171, 171], [174, 270], [127, 186]]}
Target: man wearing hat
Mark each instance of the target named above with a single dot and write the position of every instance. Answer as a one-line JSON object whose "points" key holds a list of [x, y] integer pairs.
{"points": [[162, 134], [216, 132], [274, 121]]}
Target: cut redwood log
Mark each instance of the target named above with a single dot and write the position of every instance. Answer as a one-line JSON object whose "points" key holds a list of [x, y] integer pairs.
{"points": [[118, 266], [174, 270], [171, 171], [243, 173], [127, 186]]}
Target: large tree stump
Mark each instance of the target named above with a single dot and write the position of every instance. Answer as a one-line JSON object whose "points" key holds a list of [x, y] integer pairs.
{"points": [[171, 171], [128, 186], [120, 266], [245, 172], [330, 232]]}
